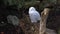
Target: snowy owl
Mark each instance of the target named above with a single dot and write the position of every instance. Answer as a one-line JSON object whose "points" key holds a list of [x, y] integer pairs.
{"points": [[34, 15]]}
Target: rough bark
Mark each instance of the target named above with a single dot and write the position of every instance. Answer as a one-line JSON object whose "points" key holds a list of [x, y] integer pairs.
{"points": [[44, 15]]}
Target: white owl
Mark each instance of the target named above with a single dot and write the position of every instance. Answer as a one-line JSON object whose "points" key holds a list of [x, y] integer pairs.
{"points": [[34, 15]]}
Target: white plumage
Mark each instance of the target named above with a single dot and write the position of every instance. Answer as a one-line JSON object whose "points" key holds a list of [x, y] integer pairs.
{"points": [[34, 15]]}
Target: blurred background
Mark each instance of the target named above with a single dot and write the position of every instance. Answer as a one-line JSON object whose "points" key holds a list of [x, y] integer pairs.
{"points": [[20, 9]]}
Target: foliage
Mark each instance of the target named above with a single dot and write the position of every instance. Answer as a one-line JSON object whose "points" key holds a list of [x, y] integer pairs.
{"points": [[46, 3], [19, 3], [27, 3]]}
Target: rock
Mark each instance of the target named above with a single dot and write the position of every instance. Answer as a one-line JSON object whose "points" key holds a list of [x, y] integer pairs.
{"points": [[50, 31]]}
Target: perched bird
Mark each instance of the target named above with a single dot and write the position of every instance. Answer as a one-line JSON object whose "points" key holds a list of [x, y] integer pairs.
{"points": [[34, 15], [13, 20]]}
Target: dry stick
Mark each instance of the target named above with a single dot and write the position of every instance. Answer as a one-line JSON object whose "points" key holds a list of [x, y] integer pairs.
{"points": [[44, 15]]}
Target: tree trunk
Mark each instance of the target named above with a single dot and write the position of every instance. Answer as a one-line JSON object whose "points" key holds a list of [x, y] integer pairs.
{"points": [[44, 15]]}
